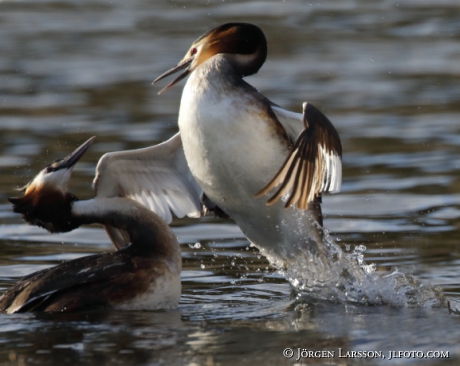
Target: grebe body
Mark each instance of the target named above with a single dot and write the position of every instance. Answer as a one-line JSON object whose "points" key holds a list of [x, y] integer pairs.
{"points": [[145, 275], [239, 145]]}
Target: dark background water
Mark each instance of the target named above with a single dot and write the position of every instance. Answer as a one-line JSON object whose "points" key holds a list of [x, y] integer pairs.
{"points": [[386, 73]]}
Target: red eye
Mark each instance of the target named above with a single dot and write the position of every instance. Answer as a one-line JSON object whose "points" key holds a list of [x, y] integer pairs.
{"points": [[193, 51]]}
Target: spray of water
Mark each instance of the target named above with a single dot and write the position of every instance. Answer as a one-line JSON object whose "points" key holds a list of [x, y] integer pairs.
{"points": [[343, 276]]}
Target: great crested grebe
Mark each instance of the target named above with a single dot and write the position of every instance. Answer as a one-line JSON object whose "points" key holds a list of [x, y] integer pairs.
{"points": [[143, 275], [238, 144]]}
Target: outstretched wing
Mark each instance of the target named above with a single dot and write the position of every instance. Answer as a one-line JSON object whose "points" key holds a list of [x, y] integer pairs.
{"points": [[157, 177], [314, 164]]}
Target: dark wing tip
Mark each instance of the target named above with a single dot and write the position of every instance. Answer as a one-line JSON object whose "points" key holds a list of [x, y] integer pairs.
{"points": [[313, 165], [313, 117]]}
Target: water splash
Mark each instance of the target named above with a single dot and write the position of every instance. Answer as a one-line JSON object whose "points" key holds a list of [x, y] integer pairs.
{"points": [[345, 277]]}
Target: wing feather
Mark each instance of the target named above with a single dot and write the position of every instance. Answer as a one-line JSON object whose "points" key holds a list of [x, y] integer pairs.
{"points": [[157, 177], [314, 164], [34, 291]]}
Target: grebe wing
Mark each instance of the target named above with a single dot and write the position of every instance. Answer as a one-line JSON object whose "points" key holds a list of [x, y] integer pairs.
{"points": [[70, 285], [314, 164], [157, 177], [292, 122]]}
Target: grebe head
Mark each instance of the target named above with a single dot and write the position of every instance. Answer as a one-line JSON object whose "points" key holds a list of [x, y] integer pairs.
{"points": [[244, 43], [46, 198]]}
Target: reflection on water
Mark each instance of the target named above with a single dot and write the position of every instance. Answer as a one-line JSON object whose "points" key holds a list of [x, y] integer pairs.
{"points": [[385, 72]]}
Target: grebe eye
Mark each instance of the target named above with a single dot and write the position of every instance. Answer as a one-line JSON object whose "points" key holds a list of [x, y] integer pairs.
{"points": [[193, 51]]}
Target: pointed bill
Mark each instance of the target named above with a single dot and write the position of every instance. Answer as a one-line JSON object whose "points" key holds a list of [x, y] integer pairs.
{"points": [[185, 64], [70, 160]]}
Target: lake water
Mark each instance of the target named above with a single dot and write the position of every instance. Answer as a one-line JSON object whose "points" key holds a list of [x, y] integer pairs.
{"points": [[386, 73]]}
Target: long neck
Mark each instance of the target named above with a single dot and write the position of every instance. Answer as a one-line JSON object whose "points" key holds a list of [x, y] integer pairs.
{"points": [[147, 231], [246, 65], [220, 73]]}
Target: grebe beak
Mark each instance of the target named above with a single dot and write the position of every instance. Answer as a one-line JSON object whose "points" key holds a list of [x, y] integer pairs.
{"points": [[184, 64], [70, 160]]}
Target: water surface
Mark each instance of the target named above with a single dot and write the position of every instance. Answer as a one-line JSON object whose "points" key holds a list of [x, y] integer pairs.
{"points": [[385, 72]]}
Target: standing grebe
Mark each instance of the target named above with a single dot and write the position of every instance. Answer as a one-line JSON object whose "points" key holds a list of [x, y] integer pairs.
{"points": [[143, 275], [238, 145]]}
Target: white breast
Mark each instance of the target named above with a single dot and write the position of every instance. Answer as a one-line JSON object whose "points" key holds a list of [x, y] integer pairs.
{"points": [[228, 141]]}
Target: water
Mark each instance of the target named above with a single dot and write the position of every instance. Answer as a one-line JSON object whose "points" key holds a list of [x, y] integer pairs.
{"points": [[385, 72]]}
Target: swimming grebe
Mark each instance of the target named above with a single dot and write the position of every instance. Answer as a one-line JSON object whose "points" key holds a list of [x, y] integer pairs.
{"points": [[238, 145], [143, 275]]}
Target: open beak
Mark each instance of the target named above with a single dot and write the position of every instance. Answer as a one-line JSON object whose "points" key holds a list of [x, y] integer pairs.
{"points": [[70, 160], [185, 64]]}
